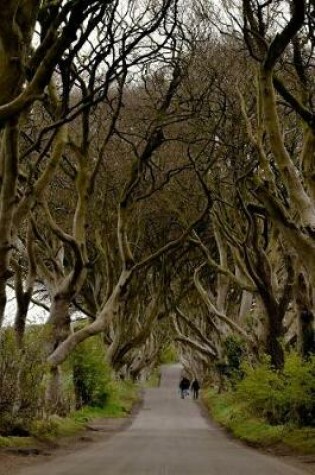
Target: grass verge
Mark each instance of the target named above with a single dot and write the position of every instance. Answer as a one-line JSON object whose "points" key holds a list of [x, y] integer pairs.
{"points": [[8, 442], [154, 379], [235, 417], [122, 398]]}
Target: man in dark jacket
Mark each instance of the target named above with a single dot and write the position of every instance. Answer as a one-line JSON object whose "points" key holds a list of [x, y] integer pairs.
{"points": [[195, 387]]}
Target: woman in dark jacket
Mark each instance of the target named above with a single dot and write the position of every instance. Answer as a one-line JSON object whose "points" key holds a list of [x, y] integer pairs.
{"points": [[184, 386]]}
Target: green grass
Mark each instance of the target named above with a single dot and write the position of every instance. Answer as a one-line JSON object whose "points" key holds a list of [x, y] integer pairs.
{"points": [[301, 440], [16, 441], [55, 427], [236, 418], [154, 379], [123, 396]]}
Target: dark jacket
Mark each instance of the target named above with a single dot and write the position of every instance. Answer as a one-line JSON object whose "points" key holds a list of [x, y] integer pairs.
{"points": [[184, 384]]}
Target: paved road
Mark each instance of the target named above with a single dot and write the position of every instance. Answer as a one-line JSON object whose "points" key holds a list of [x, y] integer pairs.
{"points": [[168, 437]]}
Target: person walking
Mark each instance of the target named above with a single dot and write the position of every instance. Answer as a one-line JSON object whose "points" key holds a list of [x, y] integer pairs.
{"points": [[184, 387], [195, 387]]}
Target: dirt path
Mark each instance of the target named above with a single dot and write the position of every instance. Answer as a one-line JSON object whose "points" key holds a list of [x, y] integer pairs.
{"points": [[168, 436]]}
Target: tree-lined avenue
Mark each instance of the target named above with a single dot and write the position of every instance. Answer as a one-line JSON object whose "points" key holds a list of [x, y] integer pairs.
{"points": [[169, 436]]}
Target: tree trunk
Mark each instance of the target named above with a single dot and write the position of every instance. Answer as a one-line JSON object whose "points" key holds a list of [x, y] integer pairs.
{"points": [[8, 179], [19, 325], [306, 333], [274, 330], [23, 302], [305, 316], [245, 306], [301, 204], [109, 312], [59, 324], [59, 320], [273, 345], [53, 399], [17, 22], [274, 333], [3, 299]]}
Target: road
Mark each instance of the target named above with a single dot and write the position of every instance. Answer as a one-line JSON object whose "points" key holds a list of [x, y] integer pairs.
{"points": [[169, 436]]}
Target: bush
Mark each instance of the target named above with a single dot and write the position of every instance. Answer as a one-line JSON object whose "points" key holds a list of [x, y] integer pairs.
{"points": [[53, 427], [285, 396], [228, 370], [85, 376], [234, 351], [299, 394], [91, 373], [21, 378], [262, 388]]}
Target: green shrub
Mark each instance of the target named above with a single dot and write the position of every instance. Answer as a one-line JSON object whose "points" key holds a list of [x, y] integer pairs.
{"points": [[91, 373], [21, 381], [233, 414], [53, 427], [299, 394], [86, 377], [262, 388], [280, 396], [228, 370], [44, 428], [121, 398], [234, 347]]}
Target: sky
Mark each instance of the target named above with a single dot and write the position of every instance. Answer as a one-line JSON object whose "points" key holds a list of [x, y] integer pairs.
{"points": [[36, 314]]}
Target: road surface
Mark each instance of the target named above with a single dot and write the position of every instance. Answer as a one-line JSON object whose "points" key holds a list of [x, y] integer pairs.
{"points": [[169, 436]]}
